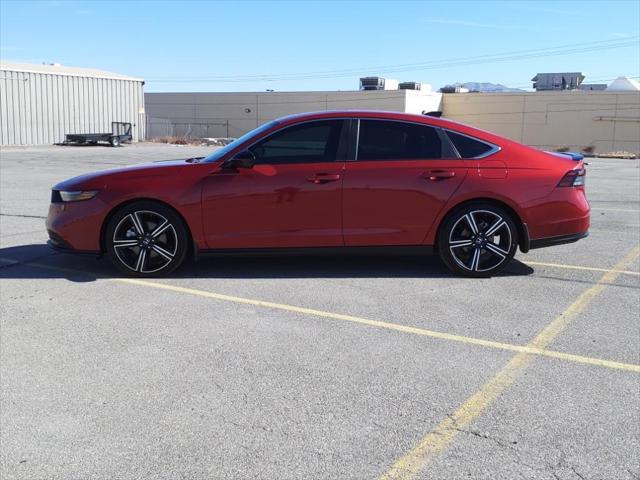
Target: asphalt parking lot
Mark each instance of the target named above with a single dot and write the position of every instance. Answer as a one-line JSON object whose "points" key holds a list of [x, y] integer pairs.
{"points": [[316, 368]]}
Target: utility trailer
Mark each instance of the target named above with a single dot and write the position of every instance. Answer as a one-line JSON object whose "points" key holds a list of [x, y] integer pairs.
{"points": [[120, 133]]}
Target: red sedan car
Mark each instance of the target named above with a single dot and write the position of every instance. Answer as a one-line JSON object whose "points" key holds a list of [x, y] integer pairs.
{"points": [[331, 181]]}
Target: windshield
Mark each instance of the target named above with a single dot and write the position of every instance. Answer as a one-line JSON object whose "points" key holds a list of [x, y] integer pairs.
{"points": [[221, 152]]}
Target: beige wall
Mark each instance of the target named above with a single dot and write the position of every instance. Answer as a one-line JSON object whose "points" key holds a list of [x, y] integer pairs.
{"points": [[606, 121], [232, 114]]}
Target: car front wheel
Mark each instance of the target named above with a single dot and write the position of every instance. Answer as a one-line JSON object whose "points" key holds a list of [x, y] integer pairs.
{"points": [[146, 239], [478, 240]]}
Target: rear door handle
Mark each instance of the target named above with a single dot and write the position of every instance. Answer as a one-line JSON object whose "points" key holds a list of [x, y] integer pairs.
{"points": [[438, 174], [319, 178]]}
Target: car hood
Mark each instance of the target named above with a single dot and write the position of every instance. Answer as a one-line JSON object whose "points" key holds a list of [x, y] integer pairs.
{"points": [[102, 179]]}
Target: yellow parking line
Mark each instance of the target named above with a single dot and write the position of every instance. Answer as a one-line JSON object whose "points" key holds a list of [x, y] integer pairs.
{"points": [[525, 349], [436, 441], [580, 267], [533, 350]]}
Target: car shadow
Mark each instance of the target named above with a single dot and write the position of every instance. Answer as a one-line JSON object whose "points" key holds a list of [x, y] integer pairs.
{"points": [[37, 261]]}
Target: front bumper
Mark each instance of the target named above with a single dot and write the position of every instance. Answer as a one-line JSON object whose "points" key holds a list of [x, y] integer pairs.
{"points": [[76, 226], [61, 246]]}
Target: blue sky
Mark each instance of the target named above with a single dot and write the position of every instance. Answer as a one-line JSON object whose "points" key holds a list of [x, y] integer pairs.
{"points": [[251, 46]]}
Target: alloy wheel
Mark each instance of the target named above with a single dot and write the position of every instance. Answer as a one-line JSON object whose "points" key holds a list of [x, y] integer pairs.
{"points": [[480, 240], [145, 241]]}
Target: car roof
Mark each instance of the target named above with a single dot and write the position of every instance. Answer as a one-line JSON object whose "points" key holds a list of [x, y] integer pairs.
{"points": [[296, 117], [389, 115]]}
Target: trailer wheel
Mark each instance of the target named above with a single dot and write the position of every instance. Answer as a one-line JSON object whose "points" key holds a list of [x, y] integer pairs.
{"points": [[115, 142]]}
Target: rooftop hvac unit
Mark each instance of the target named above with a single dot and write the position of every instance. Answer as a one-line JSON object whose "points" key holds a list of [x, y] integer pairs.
{"points": [[410, 86], [378, 83]]}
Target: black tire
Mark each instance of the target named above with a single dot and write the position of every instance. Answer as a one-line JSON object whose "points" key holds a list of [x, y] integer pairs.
{"points": [[158, 250], [115, 142], [478, 240]]}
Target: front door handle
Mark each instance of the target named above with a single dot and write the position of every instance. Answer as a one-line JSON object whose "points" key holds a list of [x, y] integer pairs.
{"points": [[320, 178], [439, 174]]}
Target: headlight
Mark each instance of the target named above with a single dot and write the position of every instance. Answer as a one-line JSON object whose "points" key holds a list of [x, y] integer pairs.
{"points": [[62, 196]]}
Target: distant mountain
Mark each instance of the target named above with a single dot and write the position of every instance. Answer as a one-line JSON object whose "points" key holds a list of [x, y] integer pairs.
{"points": [[486, 87]]}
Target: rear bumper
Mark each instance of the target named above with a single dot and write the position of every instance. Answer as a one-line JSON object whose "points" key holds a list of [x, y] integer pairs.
{"points": [[565, 214], [558, 240]]}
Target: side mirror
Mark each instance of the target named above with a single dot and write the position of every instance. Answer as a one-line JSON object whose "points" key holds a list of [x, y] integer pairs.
{"points": [[244, 159]]}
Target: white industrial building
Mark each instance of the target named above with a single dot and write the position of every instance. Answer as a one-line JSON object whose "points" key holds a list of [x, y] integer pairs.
{"points": [[624, 84], [39, 104]]}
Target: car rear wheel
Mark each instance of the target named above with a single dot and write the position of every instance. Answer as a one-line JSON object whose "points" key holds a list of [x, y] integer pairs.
{"points": [[478, 240], [146, 239]]}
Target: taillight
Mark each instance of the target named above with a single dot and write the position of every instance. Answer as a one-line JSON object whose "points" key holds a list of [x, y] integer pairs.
{"points": [[573, 178]]}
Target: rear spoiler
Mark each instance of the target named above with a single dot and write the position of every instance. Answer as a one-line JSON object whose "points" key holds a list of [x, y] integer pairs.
{"points": [[572, 155]]}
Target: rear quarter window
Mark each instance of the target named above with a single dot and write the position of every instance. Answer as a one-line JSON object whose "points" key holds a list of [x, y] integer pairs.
{"points": [[469, 147]]}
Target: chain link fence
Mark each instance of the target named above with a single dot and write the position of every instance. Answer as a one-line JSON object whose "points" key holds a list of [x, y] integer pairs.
{"points": [[157, 128]]}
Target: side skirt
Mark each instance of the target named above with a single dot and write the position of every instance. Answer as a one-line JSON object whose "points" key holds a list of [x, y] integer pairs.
{"points": [[401, 250]]}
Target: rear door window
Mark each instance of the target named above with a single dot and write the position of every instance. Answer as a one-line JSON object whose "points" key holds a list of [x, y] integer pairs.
{"points": [[393, 140]]}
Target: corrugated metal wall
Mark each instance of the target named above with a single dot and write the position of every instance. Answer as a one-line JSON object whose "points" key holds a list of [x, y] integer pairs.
{"points": [[39, 109]]}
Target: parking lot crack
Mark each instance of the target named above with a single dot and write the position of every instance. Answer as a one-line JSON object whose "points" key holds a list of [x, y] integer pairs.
{"points": [[562, 463], [22, 216], [248, 426], [218, 386], [573, 469], [500, 442]]}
